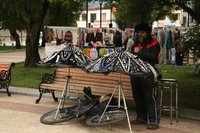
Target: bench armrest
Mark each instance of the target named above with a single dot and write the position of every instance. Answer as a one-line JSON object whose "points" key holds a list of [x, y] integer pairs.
{"points": [[4, 75], [48, 78]]}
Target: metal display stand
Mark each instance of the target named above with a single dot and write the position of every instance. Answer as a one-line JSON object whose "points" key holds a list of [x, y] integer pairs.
{"points": [[120, 93], [66, 92]]}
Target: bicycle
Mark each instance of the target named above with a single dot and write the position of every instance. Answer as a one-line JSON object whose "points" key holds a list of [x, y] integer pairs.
{"points": [[92, 108]]}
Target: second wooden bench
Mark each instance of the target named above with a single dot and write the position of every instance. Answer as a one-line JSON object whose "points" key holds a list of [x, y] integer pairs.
{"points": [[100, 84]]}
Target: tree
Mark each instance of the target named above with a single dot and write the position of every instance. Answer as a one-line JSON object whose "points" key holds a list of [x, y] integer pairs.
{"points": [[11, 20], [191, 40], [131, 12], [192, 7], [30, 15]]}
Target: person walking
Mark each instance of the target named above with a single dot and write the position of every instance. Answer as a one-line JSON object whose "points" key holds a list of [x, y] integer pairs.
{"points": [[130, 42], [147, 49]]}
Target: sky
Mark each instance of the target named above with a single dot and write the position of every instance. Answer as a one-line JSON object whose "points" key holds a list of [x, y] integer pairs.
{"points": [[93, 4]]}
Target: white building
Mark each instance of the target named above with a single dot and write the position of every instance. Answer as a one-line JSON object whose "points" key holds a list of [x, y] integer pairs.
{"points": [[107, 17], [183, 20]]}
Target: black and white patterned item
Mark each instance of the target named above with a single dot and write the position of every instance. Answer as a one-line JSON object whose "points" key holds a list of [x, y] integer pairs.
{"points": [[122, 62], [68, 56], [104, 64], [117, 61]]}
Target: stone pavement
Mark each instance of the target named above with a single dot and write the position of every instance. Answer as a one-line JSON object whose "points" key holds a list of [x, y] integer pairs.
{"points": [[20, 114], [17, 56]]}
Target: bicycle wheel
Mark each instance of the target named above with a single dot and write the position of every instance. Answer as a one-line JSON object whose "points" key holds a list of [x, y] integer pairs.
{"points": [[110, 117], [64, 114]]}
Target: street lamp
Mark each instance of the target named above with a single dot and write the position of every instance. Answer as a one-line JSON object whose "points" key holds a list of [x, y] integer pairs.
{"points": [[110, 25], [100, 2], [86, 13]]}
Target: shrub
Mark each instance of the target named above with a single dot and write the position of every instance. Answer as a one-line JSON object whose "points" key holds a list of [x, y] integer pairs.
{"points": [[191, 41]]}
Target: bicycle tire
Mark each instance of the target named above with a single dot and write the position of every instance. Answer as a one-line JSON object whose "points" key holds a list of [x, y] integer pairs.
{"points": [[110, 117], [49, 117]]}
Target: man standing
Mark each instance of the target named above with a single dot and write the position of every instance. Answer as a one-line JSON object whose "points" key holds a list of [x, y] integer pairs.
{"points": [[147, 49]]}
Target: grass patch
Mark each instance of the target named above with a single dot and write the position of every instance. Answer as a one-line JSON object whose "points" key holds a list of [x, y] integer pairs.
{"points": [[9, 48], [28, 77], [189, 85], [185, 76]]}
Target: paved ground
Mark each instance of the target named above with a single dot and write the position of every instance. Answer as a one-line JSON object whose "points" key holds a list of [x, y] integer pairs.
{"points": [[17, 56], [20, 114]]}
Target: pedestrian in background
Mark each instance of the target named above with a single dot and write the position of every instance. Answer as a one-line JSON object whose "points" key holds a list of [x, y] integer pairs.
{"points": [[169, 45], [178, 47], [117, 40], [161, 40], [130, 41]]}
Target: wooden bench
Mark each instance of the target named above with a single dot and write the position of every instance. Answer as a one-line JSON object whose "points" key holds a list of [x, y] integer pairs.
{"points": [[100, 84], [5, 76]]}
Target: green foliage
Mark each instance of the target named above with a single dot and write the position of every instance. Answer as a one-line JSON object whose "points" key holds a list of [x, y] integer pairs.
{"points": [[11, 16], [191, 40], [63, 12], [130, 12]]}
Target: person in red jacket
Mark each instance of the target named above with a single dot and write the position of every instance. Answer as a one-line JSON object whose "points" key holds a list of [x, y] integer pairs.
{"points": [[146, 48]]}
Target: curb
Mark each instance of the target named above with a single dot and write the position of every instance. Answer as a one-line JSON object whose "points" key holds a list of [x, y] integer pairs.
{"points": [[183, 112]]}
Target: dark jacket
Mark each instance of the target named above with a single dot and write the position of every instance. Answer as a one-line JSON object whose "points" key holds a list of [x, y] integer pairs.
{"points": [[117, 39], [149, 50]]}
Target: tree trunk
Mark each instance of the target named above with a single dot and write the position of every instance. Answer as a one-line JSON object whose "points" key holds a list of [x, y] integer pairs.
{"points": [[15, 35], [32, 54], [33, 34]]}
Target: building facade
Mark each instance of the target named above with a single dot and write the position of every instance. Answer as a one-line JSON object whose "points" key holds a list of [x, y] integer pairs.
{"points": [[95, 21], [182, 20]]}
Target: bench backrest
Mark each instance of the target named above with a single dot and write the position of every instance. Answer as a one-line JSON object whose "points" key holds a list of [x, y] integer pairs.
{"points": [[100, 84]]}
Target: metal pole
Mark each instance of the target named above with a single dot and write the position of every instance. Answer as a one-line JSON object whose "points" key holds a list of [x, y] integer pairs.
{"points": [[188, 23], [100, 13], [86, 13], [110, 26]]}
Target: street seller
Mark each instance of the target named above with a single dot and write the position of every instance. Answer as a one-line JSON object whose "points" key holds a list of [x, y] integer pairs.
{"points": [[147, 49]]}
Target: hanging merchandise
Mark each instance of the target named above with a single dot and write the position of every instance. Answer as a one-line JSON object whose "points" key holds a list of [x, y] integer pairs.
{"points": [[93, 53], [88, 52], [102, 52], [110, 50], [173, 56]]}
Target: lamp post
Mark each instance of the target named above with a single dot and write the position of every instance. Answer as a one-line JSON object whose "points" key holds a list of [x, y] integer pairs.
{"points": [[100, 2], [110, 25], [86, 13]]}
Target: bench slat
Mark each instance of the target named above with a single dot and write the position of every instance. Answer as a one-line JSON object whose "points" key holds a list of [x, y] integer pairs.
{"points": [[100, 84]]}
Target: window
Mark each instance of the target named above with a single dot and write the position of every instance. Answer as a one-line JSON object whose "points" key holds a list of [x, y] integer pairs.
{"points": [[103, 16], [83, 17], [93, 17]]}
